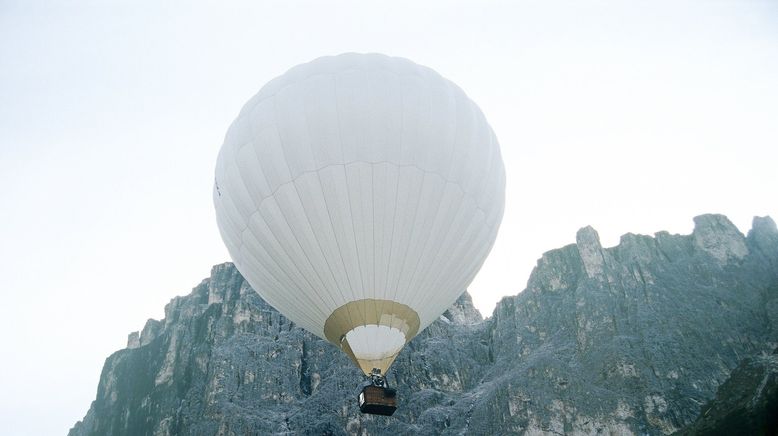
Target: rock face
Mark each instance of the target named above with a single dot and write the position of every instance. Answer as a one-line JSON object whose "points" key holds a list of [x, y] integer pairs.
{"points": [[747, 403], [632, 339]]}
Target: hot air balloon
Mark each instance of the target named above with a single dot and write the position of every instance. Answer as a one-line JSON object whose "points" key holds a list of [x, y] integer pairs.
{"points": [[359, 195]]}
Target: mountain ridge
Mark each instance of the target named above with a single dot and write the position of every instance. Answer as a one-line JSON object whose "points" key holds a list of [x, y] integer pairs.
{"points": [[601, 340]]}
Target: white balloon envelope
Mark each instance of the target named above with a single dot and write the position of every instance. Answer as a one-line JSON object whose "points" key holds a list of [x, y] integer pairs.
{"points": [[359, 195]]}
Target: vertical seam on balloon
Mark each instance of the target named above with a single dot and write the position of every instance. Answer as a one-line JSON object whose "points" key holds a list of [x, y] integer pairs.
{"points": [[227, 198], [472, 267], [468, 145], [438, 212], [226, 201], [356, 246], [446, 241], [375, 288], [488, 168], [497, 161], [394, 209], [455, 278], [332, 225], [468, 244], [472, 270], [488, 173], [378, 311], [445, 264], [337, 116], [312, 321], [456, 129], [343, 160], [396, 196], [318, 243], [337, 243], [401, 294], [289, 277], [293, 263], [305, 253], [242, 245], [286, 161], [414, 227], [372, 245], [495, 167], [240, 174]]}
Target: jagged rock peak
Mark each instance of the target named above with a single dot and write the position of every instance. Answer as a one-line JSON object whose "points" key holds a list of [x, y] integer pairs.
{"points": [[716, 235], [764, 224], [221, 286], [463, 312], [763, 235], [150, 331], [133, 340], [589, 248]]}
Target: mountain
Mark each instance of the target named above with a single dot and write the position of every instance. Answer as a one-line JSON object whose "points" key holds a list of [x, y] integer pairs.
{"points": [[632, 339]]}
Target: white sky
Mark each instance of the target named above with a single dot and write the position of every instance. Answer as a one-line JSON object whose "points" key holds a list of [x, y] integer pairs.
{"points": [[627, 116]]}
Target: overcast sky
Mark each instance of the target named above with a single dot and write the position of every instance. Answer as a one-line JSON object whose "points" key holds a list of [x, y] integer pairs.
{"points": [[627, 116]]}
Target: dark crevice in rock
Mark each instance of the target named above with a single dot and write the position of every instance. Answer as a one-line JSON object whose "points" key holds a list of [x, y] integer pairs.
{"points": [[305, 377]]}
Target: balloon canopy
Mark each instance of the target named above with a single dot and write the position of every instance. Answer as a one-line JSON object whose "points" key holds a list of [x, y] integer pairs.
{"points": [[359, 195]]}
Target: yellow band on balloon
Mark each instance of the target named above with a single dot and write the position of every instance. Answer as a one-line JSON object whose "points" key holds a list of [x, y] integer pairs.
{"points": [[370, 312]]}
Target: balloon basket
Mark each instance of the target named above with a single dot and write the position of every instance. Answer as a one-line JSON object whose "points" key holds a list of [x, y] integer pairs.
{"points": [[378, 400]]}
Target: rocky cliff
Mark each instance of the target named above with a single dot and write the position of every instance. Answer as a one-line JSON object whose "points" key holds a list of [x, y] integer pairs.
{"points": [[747, 403], [632, 339]]}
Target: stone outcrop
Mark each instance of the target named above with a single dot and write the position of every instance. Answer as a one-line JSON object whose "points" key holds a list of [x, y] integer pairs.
{"points": [[632, 339], [747, 403]]}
